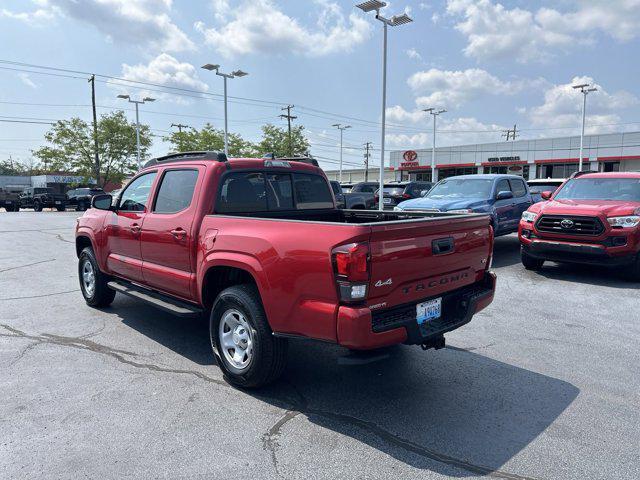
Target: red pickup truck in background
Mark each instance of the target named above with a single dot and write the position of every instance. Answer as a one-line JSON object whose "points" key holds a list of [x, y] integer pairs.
{"points": [[260, 247], [593, 218]]}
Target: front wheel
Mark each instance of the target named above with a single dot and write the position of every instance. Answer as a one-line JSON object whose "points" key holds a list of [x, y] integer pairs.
{"points": [[37, 206], [248, 354], [529, 262], [93, 283], [61, 209]]}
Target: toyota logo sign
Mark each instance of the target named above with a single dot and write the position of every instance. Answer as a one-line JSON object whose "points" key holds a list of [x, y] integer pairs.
{"points": [[566, 223], [410, 156]]}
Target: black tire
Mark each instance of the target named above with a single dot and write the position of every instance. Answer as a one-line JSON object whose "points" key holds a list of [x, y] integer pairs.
{"points": [[61, 209], [9, 208], [37, 206], [529, 262], [102, 295], [269, 353], [632, 272]]}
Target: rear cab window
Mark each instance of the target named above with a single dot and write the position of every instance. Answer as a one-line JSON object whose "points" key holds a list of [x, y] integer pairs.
{"points": [[246, 192]]}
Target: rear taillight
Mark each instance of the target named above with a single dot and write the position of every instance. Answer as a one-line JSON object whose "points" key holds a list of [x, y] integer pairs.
{"points": [[406, 195], [351, 265]]}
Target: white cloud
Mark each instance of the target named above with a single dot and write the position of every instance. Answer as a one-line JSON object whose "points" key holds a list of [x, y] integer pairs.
{"points": [[445, 88], [26, 79], [132, 22], [413, 54], [494, 31], [455, 131], [36, 17], [258, 26], [163, 70], [562, 107]]}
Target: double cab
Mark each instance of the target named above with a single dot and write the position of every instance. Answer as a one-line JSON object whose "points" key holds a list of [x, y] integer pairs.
{"points": [[503, 197], [593, 218], [259, 246]]}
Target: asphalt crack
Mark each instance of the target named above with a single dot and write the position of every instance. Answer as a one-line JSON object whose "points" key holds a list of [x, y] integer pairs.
{"points": [[27, 265], [299, 406], [40, 296]]}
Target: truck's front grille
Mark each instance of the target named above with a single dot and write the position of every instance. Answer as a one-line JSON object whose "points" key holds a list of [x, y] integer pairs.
{"points": [[571, 225]]}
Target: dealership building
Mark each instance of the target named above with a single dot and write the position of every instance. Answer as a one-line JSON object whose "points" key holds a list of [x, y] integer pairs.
{"points": [[60, 183], [541, 158]]}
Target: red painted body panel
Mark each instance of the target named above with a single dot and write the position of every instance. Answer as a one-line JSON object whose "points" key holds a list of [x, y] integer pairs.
{"points": [[290, 260]]}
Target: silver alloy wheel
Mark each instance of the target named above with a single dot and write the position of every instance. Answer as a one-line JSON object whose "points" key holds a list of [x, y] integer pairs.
{"points": [[236, 339], [88, 277]]}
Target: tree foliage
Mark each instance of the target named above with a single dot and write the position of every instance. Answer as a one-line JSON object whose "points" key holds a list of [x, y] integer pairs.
{"points": [[71, 147], [210, 139], [276, 140]]}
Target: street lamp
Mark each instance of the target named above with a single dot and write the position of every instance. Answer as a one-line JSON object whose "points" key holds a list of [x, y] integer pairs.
{"points": [[137, 102], [236, 73], [370, 6], [435, 112], [342, 128], [584, 88]]}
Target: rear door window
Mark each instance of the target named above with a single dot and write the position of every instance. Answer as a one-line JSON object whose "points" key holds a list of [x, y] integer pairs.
{"points": [[176, 191], [518, 188]]}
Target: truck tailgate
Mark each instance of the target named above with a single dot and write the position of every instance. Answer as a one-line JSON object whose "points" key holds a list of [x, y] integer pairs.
{"points": [[424, 258]]}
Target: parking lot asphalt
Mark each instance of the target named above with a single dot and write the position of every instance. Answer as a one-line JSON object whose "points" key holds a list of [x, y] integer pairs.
{"points": [[542, 384]]}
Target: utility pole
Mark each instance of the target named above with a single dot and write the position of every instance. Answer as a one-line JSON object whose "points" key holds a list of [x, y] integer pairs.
{"points": [[510, 133], [180, 126], [137, 102], [367, 146], [96, 159], [289, 117]]}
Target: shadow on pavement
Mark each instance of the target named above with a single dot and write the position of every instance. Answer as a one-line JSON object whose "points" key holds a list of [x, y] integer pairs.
{"points": [[506, 251], [589, 274], [433, 410]]}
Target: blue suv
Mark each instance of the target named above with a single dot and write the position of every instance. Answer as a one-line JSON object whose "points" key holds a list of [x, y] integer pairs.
{"points": [[504, 197]]}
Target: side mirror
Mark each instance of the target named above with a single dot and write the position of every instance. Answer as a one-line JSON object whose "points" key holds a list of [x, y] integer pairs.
{"points": [[504, 195], [101, 202], [546, 195]]}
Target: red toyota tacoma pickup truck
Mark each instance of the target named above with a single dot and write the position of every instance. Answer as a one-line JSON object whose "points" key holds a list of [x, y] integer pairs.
{"points": [[593, 218], [260, 247]]}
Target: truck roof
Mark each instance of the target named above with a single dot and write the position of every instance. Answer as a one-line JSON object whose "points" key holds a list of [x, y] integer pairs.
{"points": [[611, 175], [486, 176], [297, 164]]}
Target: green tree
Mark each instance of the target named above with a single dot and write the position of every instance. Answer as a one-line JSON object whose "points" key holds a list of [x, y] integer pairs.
{"points": [[71, 147], [276, 140], [210, 139]]}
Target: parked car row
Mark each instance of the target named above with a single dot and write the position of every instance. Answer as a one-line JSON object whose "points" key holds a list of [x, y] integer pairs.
{"points": [[39, 198]]}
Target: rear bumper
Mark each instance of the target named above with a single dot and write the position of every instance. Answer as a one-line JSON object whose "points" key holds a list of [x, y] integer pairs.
{"points": [[362, 329]]}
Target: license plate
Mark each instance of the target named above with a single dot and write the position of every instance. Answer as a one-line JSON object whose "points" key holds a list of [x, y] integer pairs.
{"points": [[386, 200], [429, 310], [57, 203]]}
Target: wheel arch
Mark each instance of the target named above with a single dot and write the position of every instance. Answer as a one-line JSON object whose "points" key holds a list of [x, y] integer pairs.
{"points": [[223, 275]]}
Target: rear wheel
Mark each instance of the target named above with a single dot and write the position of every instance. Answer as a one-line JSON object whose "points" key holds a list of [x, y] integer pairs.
{"points": [[248, 354], [61, 209], [529, 262], [93, 283], [37, 206]]}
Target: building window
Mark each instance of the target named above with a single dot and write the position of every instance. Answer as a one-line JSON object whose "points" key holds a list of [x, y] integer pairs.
{"points": [[610, 166], [453, 172], [557, 170]]}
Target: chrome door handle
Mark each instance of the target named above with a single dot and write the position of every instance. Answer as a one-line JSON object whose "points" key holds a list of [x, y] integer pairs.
{"points": [[135, 228]]}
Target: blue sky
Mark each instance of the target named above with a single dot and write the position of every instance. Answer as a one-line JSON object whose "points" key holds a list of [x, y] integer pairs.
{"points": [[489, 64]]}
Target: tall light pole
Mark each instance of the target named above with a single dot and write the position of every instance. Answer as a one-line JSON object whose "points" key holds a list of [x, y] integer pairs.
{"points": [[370, 6], [584, 88], [342, 128], [137, 102], [225, 76], [435, 112]]}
